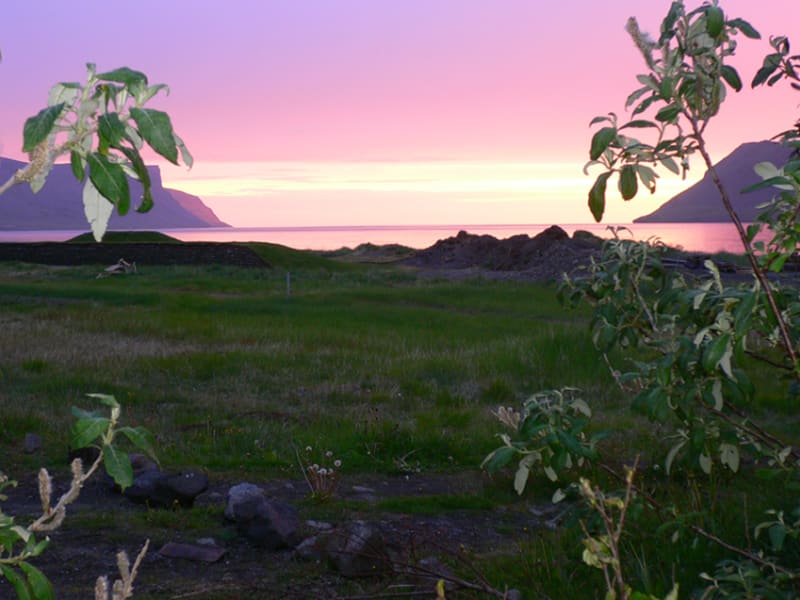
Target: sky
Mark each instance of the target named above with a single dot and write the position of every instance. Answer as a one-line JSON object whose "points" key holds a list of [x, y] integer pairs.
{"points": [[380, 112]]}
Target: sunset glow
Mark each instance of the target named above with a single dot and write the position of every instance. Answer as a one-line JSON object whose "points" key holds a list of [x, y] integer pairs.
{"points": [[315, 112]]}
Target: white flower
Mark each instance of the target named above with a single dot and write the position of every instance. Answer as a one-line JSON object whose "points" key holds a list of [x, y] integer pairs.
{"points": [[329, 454], [337, 463], [309, 448], [323, 471]]}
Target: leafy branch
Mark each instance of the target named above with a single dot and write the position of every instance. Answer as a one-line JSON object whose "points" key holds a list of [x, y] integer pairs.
{"points": [[102, 126]]}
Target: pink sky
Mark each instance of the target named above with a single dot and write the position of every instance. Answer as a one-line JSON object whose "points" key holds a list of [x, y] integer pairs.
{"points": [[320, 112]]}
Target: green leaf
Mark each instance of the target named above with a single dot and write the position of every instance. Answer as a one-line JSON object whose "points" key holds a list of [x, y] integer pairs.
{"points": [[669, 113], [118, 465], [498, 459], [779, 182], [109, 179], [141, 438], [105, 399], [144, 178], [715, 351], [715, 21], [670, 163], [521, 477], [186, 156], [745, 28], [110, 129], [40, 585], [19, 583], [86, 431], [648, 177], [597, 196], [97, 209], [628, 185], [38, 127], [78, 168], [668, 24], [777, 535], [601, 140], [639, 123], [770, 65], [124, 75], [156, 129], [731, 76]]}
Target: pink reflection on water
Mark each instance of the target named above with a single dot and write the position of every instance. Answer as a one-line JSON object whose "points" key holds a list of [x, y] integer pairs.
{"points": [[699, 237]]}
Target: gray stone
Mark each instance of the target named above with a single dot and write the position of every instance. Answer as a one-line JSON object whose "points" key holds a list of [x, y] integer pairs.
{"points": [[32, 443], [181, 488], [267, 523], [155, 488], [312, 548], [144, 486], [204, 553], [358, 550], [239, 494]]}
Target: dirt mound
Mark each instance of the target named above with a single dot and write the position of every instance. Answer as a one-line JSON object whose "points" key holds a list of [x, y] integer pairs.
{"points": [[544, 256]]}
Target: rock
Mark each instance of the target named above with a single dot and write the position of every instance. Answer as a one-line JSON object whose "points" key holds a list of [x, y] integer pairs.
{"points": [[155, 488], [32, 443], [312, 548], [181, 488], [267, 523], [239, 494], [204, 553], [358, 550], [143, 488]]}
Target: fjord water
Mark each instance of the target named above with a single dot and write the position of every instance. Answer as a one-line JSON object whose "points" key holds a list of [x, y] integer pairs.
{"points": [[698, 237]]}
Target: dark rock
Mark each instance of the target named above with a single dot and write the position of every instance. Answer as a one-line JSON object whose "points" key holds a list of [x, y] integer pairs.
{"points": [[143, 488], [313, 548], [358, 549], [267, 523], [240, 494], [181, 488], [32, 443], [204, 553]]}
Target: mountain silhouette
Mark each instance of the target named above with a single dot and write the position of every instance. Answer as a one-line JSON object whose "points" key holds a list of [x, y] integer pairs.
{"points": [[59, 204], [701, 203]]}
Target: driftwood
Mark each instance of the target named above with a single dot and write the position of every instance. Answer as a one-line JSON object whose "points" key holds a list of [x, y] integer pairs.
{"points": [[122, 267]]}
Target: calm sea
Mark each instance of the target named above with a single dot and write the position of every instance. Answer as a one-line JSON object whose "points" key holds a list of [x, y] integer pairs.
{"points": [[701, 237]]}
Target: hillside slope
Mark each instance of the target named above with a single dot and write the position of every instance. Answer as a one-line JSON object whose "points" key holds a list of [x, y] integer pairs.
{"points": [[701, 203], [59, 205]]}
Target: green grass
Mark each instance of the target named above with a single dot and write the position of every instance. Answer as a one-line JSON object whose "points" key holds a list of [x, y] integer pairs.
{"points": [[391, 373]]}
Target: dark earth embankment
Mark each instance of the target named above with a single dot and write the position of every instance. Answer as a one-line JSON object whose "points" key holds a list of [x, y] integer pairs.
{"points": [[142, 253]]}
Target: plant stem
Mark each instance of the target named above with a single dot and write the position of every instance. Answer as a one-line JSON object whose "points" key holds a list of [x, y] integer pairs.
{"points": [[748, 248]]}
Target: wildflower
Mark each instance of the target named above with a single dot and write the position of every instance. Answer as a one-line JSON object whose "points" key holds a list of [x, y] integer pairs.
{"points": [[329, 454], [309, 448], [337, 463]]}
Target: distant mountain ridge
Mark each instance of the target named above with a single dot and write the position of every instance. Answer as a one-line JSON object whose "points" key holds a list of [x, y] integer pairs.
{"points": [[701, 203], [59, 205]]}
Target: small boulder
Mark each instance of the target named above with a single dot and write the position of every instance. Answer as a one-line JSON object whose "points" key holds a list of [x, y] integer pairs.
{"points": [[359, 550], [181, 488], [267, 523]]}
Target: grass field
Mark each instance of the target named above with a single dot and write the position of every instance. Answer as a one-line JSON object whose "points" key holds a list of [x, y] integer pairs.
{"points": [[232, 373]]}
